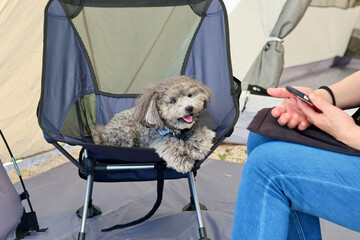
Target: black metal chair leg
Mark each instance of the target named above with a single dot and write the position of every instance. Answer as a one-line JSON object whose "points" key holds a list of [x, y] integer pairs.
{"points": [[92, 210], [89, 186], [90, 166], [194, 196]]}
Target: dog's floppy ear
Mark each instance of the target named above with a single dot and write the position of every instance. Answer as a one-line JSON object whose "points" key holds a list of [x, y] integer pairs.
{"points": [[146, 111], [208, 94]]}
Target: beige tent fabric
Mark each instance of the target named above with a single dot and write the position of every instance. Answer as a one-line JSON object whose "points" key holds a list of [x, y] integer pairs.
{"points": [[251, 23], [322, 33], [21, 35], [267, 68], [335, 3], [353, 49]]}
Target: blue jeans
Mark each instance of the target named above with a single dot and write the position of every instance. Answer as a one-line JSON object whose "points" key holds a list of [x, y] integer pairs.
{"points": [[286, 187]]}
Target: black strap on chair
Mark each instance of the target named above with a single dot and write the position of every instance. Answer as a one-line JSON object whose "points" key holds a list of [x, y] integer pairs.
{"points": [[160, 187], [29, 222]]}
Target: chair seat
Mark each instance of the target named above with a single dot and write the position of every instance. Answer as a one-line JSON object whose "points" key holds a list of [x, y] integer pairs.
{"points": [[110, 155], [122, 155]]}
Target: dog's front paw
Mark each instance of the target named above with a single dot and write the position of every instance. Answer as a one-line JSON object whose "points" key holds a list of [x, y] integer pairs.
{"points": [[183, 165], [210, 135], [175, 156], [199, 146]]}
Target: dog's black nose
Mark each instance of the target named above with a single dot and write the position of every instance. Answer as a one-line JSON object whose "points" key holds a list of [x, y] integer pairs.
{"points": [[189, 109]]}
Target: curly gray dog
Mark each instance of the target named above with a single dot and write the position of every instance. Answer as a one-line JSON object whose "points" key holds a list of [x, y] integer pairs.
{"points": [[165, 118]]}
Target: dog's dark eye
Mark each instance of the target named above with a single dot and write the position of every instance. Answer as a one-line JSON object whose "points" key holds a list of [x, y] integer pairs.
{"points": [[173, 100], [189, 95]]}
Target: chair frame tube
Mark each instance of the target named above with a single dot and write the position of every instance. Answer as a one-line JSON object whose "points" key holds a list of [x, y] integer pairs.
{"points": [[89, 187], [195, 198]]}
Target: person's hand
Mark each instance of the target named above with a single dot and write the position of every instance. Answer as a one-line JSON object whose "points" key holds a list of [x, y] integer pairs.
{"points": [[332, 120], [288, 112]]}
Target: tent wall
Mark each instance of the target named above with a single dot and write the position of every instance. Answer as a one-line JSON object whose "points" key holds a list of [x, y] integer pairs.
{"points": [[21, 27], [267, 67], [251, 23], [321, 34]]}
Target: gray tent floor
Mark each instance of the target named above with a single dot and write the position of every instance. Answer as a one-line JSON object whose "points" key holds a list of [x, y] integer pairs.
{"points": [[58, 193]]}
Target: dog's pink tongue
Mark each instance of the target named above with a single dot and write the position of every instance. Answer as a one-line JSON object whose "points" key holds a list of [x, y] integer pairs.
{"points": [[188, 118]]}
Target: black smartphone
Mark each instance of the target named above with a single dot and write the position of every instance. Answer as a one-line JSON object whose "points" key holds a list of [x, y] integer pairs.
{"points": [[300, 95]]}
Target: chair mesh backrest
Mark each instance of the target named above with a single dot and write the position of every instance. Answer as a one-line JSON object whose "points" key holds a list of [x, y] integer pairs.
{"points": [[159, 51], [99, 55]]}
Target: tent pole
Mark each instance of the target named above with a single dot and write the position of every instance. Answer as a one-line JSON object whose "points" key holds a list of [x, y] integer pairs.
{"points": [[26, 194]]}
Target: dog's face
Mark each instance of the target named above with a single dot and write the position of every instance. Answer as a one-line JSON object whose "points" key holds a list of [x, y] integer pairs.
{"points": [[175, 103], [179, 105]]}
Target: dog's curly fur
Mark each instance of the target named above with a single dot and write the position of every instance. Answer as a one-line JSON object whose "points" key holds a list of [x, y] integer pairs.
{"points": [[175, 104]]}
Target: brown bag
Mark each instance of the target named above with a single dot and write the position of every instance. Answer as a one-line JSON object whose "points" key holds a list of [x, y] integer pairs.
{"points": [[266, 125]]}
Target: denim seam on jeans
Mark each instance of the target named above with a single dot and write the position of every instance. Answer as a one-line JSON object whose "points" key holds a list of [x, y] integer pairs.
{"points": [[298, 226], [316, 180], [270, 181]]}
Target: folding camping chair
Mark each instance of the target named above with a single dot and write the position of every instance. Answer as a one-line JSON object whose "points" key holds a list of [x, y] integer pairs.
{"points": [[98, 55]]}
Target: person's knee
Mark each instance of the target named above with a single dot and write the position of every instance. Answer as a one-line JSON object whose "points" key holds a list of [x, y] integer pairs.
{"points": [[254, 140], [258, 163], [267, 160]]}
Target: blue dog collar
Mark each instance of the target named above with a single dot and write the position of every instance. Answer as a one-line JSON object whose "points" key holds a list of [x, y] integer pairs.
{"points": [[183, 134], [165, 131]]}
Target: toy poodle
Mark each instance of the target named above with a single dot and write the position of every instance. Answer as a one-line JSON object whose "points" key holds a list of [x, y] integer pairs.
{"points": [[165, 117]]}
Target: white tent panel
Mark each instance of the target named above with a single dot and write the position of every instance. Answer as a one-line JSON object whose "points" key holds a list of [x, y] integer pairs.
{"points": [[231, 5], [251, 23], [321, 34]]}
